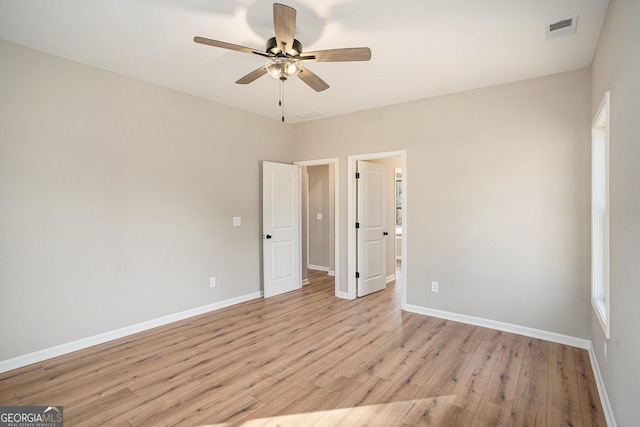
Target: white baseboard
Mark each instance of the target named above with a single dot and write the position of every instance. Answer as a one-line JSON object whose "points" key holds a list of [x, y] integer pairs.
{"points": [[305, 282], [343, 295], [602, 392], [331, 273], [317, 267], [391, 278], [501, 326], [59, 350]]}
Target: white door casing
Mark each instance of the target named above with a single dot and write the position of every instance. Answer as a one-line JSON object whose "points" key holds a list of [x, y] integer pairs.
{"points": [[371, 231], [280, 216]]}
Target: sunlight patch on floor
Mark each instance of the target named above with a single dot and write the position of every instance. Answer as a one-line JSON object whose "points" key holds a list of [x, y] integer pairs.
{"points": [[381, 414]]}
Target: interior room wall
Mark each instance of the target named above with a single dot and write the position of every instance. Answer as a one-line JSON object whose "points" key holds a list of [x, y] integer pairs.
{"points": [[616, 68], [117, 199], [319, 229], [498, 183]]}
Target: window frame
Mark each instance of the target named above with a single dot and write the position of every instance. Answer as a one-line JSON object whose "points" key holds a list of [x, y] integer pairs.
{"points": [[600, 271]]}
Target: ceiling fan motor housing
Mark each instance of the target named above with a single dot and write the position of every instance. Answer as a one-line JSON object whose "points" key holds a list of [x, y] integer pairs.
{"points": [[273, 48]]}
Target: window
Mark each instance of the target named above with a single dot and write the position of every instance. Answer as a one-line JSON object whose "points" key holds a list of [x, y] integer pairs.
{"points": [[398, 202], [600, 215]]}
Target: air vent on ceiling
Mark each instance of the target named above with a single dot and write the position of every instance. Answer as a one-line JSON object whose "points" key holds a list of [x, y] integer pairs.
{"points": [[561, 28]]}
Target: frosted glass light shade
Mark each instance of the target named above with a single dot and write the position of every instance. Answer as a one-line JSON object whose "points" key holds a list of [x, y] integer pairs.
{"points": [[282, 68]]}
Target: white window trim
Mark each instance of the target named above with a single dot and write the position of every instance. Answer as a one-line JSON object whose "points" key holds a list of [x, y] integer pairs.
{"points": [[600, 299]]}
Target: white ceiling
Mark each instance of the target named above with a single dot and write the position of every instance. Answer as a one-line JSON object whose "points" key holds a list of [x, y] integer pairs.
{"points": [[420, 48]]}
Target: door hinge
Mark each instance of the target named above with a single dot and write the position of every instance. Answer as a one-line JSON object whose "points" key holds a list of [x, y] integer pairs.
{"points": [[357, 275], [357, 175], [357, 225]]}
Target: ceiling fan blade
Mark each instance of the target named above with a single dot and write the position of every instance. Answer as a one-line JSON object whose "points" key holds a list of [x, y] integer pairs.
{"points": [[315, 82], [254, 75], [284, 24], [229, 46], [338, 55]]}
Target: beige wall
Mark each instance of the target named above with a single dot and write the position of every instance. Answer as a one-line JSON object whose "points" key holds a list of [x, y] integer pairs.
{"points": [[321, 189], [319, 230], [497, 182], [117, 199], [616, 68]]}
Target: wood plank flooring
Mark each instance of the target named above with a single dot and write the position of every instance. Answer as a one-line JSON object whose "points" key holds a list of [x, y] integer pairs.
{"points": [[307, 358]]}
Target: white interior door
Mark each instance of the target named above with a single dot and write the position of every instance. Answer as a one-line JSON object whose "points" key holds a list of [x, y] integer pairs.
{"points": [[280, 231], [371, 232]]}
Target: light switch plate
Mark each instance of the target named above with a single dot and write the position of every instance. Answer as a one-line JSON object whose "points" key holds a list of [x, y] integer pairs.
{"points": [[237, 221], [319, 217]]}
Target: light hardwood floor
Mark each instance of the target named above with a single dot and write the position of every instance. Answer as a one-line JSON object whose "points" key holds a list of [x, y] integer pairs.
{"points": [[309, 359]]}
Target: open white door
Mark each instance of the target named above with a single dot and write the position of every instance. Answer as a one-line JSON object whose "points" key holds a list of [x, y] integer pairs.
{"points": [[280, 238], [371, 232]]}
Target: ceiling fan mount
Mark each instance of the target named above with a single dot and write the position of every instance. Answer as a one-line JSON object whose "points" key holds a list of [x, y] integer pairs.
{"points": [[285, 54]]}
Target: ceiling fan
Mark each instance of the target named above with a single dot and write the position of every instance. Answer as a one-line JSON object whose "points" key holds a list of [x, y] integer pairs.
{"points": [[284, 53]]}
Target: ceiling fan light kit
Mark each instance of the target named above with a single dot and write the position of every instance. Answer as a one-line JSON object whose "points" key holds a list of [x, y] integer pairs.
{"points": [[282, 68], [285, 54]]}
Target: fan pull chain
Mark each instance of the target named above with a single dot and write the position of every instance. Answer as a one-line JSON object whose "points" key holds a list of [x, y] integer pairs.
{"points": [[281, 102]]}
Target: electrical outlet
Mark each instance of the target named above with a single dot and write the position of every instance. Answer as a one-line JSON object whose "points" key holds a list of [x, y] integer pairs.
{"points": [[435, 286], [212, 282]]}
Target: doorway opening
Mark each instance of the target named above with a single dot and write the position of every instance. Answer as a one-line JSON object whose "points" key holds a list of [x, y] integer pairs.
{"points": [[320, 223], [393, 159]]}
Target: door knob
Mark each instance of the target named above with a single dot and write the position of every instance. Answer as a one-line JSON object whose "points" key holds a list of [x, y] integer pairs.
{"points": [[384, 233], [268, 236]]}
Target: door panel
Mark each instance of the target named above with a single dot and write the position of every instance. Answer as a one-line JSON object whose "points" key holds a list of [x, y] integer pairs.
{"points": [[280, 202], [372, 248], [372, 252], [282, 190], [282, 266]]}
